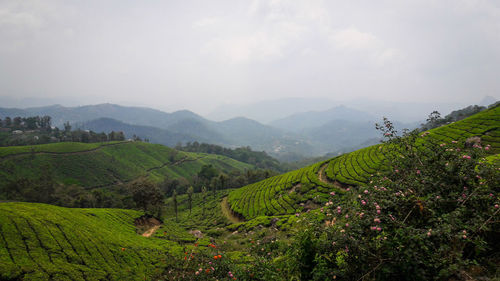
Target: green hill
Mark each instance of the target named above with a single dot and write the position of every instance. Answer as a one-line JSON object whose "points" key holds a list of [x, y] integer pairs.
{"points": [[44, 242], [308, 187], [104, 164]]}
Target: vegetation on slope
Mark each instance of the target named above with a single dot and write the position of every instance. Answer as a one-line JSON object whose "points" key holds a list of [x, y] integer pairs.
{"points": [[73, 169], [244, 154], [44, 242], [307, 188]]}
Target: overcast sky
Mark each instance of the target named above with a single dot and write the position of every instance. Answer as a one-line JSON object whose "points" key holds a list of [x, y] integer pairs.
{"points": [[199, 54]]}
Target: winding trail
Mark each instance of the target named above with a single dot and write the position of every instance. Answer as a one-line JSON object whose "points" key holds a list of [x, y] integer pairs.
{"points": [[151, 231], [323, 178], [226, 210]]}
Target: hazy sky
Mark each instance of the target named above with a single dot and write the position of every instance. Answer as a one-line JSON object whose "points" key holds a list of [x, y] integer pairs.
{"points": [[200, 54]]}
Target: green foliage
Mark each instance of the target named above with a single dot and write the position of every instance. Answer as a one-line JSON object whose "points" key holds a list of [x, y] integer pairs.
{"points": [[433, 217], [310, 186], [44, 242], [102, 165], [147, 196], [244, 154]]}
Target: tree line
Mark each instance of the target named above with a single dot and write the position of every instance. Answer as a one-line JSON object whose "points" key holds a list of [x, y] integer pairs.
{"points": [[259, 159], [39, 130]]}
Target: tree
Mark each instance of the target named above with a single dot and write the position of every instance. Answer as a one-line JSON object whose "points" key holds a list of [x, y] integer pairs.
{"points": [[174, 200], [190, 197], [67, 127], [147, 196], [17, 122], [204, 198], [213, 183]]}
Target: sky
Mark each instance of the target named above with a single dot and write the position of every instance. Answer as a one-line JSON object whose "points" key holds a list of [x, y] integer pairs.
{"points": [[199, 55]]}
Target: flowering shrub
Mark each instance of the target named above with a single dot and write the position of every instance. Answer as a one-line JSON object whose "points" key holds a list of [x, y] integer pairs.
{"points": [[435, 216]]}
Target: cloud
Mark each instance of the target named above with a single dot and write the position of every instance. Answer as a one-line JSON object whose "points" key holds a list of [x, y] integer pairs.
{"points": [[9, 18], [258, 46], [353, 39], [206, 22]]}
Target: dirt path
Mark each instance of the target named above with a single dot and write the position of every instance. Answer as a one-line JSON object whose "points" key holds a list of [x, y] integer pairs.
{"points": [[226, 210], [151, 231], [323, 178]]}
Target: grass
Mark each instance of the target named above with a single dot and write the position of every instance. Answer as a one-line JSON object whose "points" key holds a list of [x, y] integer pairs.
{"points": [[42, 242], [98, 165], [303, 189]]}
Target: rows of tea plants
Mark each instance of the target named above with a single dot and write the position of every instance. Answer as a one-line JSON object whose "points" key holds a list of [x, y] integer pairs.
{"points": [[45, 242], [285, 194], [56, 148], [281, 194], [95, 165]]}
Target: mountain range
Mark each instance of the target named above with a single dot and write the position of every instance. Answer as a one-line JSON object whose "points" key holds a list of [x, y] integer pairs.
{"points": [[312, 133]]}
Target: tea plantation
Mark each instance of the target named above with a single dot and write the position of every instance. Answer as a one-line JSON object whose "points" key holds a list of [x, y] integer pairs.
{"points": [[45, 242], [103, 164], [309, 187]]}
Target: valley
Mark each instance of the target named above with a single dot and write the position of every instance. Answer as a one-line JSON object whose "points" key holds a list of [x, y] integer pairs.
{"points": [[253, 231]]}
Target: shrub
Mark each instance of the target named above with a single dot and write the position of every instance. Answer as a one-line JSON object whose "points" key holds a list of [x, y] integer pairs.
{"points": [[434, 216]]}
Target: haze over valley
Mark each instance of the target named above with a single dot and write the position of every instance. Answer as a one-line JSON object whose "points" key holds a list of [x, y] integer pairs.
{"points": [[250, 140]]}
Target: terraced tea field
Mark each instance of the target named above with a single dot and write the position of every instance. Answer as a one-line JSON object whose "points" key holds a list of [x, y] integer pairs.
{"points": [[45, 242], [309, 187], [103, 164]]}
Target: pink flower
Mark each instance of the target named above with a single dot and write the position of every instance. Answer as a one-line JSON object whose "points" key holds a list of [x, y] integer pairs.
{"points": [[346, 216], [373, 228], [443, 144], [378, 212], [428, 234], [379, 228], [496, 206], [418, 172], [346, 225], [466, 157], [487, 148], [332, 193], [363, 202], [366, 191]]}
